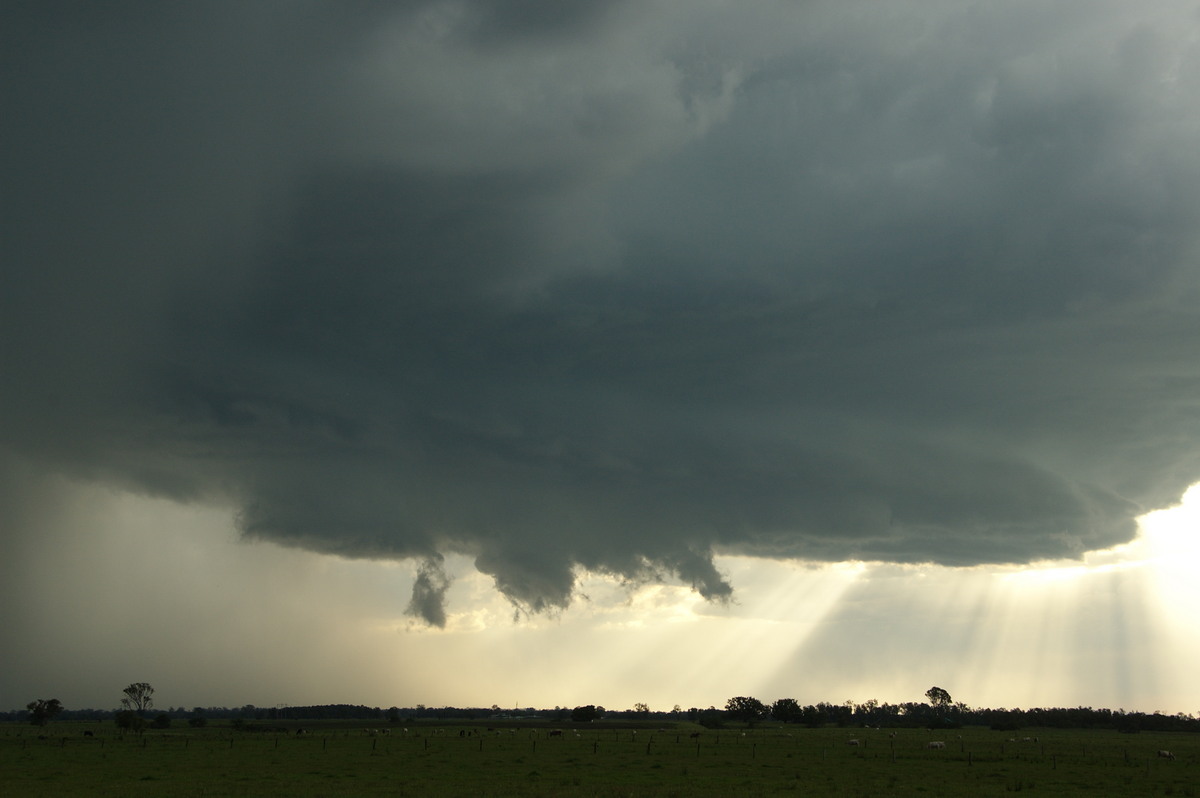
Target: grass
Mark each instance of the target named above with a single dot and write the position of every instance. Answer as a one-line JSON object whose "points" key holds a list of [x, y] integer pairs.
{"points": [[336, 759]]}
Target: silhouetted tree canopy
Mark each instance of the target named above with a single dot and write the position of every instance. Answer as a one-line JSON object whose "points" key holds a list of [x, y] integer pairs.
{"points": [[42, 711], [938, 697], [746, 709], [138, 697], [786, 710]]}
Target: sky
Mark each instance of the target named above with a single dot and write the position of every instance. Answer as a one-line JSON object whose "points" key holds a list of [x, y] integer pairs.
{"points": [[514, 352]]}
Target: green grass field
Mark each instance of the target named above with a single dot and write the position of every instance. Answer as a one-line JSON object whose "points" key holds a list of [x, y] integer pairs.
{"points": [[340, 759]]}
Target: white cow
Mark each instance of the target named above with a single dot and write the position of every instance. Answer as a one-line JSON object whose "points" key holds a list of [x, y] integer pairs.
{"points": [[1166, 755], [937, 744]]}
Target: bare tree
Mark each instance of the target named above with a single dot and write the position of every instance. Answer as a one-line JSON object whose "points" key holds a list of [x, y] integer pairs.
{"points": [[138, 697]]}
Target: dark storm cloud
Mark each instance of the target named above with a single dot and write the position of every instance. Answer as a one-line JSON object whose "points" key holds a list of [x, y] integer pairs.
{"points": [[616, 287]]}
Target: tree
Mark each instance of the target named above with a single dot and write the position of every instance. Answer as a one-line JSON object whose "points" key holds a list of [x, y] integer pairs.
{"points": [[586, 714], [786, 710], [42, 711], [138, 697], [641, 708], [939, 698], [746, 709]]}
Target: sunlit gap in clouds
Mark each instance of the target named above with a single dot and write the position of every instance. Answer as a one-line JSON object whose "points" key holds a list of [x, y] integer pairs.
{"points": [[1117, 628]]}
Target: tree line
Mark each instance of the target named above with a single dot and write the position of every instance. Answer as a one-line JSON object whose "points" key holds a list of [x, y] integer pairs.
{"points": [[938, 711]]}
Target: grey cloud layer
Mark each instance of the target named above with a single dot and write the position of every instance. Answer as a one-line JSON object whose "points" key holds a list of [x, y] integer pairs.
{"points": [[616, 288]]}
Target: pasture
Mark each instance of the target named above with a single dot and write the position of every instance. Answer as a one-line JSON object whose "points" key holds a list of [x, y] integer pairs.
{"points": [[341, 759]]}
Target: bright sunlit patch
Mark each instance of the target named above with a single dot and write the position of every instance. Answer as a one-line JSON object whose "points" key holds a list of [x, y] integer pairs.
{"points": [[1173, 535], [1115, 628]]}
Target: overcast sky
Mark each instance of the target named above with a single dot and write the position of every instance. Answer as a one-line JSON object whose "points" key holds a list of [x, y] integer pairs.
{"points": [[345, 340]]}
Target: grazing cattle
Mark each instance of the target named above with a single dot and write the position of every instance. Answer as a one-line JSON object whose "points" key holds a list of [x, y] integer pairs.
{"points": [[1166, 755], [694, 735], [556, 733], [852, 742], [301, 732], [937, 744], [88, 734]]}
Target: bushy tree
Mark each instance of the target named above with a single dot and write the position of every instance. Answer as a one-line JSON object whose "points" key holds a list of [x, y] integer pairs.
{"points": [[746, 709], [786, 710], [42, 711], [587, 713], [938, 697]]}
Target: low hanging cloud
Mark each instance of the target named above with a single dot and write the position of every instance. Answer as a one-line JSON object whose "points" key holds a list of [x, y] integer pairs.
{"points": [[616, 288], [429, 593]]}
